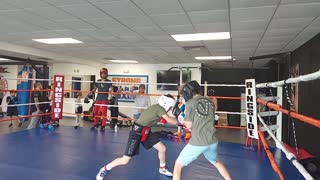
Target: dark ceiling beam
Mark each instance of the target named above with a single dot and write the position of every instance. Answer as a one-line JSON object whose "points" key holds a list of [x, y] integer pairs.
{"points": [[25, 60], [277, 55]]}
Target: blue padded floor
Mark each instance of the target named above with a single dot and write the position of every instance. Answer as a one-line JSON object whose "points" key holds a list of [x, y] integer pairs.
{"points": [[69, 154]]}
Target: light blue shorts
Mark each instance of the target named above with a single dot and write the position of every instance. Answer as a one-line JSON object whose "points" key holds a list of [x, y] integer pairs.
{"points": [[191, 153]]}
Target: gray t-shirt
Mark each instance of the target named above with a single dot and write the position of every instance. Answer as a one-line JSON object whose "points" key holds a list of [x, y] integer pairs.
{"points": [[200, 111]]}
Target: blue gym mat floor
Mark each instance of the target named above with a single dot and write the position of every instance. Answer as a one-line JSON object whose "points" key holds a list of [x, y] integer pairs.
{"points": [[78, 154]]}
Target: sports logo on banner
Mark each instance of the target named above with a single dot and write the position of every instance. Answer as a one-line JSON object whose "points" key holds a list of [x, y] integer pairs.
{"points": [[251, 109], [57, 99]]}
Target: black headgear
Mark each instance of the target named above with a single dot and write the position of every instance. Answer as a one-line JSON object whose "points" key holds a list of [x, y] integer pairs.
{"points": [[189, 89]]}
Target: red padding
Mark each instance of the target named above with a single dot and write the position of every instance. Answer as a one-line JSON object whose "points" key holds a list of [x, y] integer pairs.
{"points": [[303, 154]]}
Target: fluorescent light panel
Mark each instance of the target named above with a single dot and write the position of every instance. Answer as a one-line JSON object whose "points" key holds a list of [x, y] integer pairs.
{"points": [[201, 36], [58, 41], [4, 59], [124, 61], [213, 57]]}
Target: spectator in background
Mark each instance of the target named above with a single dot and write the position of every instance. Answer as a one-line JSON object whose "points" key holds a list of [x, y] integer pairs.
{"points": [[113, 100], [36, 108], [141, 100], [12, 109], [78, 109]]}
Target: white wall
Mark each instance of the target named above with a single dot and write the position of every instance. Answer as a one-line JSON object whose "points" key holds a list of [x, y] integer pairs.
{"points": [[130, 69], [13, 73]]}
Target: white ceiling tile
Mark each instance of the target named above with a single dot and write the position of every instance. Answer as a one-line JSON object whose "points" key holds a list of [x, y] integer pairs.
{"points": [[248, 25], [122, 32], [204, 5], [192, 43], [247, 34], [75, 24], [252, 14], [99, 1], [299, 1], [282, 32], [277, 46], [173, 49], [84, 11], [66, 2], [171, 19], [7, 6], [179, 29], [252, 3], [154, 7], [50, 25], [212, 27], [149, 31], [120, 9], [131, 39], [277, 39], [168, 44], [217, 44], [298, 10], [290, 23], [159, 38], [136, 21], [28, 3], [201, 17], [105, 23], [52, 13]]}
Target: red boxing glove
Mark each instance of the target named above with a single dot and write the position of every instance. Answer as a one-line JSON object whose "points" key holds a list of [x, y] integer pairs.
{"points": [[162, 121]]}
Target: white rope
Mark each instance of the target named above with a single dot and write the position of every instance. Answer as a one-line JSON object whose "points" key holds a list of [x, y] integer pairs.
{"points": [[307, 77], [15, 78], [24, 104], [289, 155], [68, 102], [226, 112], [224, 85]]}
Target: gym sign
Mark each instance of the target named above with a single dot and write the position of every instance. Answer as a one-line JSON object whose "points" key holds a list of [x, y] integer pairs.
{"points": [[57, 99], [251, 109]]}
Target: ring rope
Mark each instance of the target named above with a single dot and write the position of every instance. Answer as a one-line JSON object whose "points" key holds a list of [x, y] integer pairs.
{"points": [[13, 105], [289, 155], [224, 85], [277, 107], [270, 156], [26, 116], [307, 77]]}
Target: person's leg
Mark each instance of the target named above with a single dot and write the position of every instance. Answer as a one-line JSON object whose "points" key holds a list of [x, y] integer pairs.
{"points": [[113, 120], [33, 121], [96, 113], [186, 156], [211, 155], [104, 110], [116, 162], [161, 148]]}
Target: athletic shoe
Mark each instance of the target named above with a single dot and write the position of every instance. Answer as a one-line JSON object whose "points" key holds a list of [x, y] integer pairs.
{"points": [[165, 172], [101, 174], [76, 127]]}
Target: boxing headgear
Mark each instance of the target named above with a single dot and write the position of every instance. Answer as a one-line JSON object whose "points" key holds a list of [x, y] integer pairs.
{"points": [[104, 71], [189, 89], [167, 101]]}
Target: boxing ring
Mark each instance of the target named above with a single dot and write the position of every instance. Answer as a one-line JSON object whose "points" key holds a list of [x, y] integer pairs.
{"points": [[68, 153]]}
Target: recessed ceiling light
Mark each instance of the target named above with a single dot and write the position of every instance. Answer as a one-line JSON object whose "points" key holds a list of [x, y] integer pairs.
{"points": [[4, 59], [213, 57], [201, 36], [124, 61], [234, 59], [58, 41]]}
